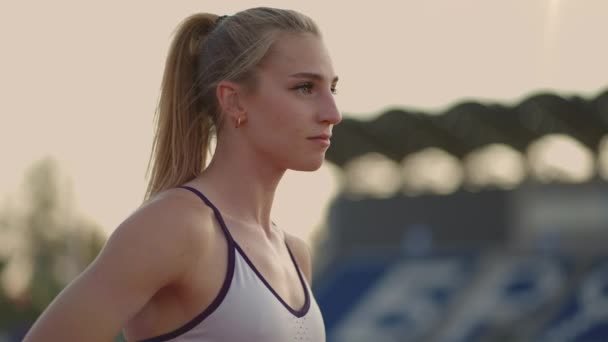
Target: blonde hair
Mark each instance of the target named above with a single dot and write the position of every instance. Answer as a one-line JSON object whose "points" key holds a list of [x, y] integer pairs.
{"points": [[203, 52]]}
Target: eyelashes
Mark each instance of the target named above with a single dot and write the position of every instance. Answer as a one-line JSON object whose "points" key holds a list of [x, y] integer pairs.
{"points": [[305, 88], [308, 88]]}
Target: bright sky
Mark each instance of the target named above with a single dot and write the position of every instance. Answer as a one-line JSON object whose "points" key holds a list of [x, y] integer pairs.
{"points": [[80, 80]]}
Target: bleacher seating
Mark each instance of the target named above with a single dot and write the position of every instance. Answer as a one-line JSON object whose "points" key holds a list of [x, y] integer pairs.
{"points": [[490, 296]]}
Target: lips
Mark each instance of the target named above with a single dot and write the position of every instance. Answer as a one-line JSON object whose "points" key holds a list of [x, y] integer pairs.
{"points": [[322, 140], [322, 136]]}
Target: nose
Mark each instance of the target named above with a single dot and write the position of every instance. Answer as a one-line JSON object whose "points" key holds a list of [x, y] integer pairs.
{"points": [[329, 112]]}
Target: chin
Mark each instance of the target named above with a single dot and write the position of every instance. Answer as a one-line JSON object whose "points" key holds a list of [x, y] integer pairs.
{"points": [[309, 169], [310, 165]]}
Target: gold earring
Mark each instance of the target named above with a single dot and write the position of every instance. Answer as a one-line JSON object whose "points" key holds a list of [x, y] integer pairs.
{"points": [[238, 121]]}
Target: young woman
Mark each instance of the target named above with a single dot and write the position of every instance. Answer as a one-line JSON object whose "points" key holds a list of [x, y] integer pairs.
{"points": [[201, 259]]}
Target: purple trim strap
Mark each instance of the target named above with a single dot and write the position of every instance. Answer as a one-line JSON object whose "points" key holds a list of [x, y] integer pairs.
{"points": [[223, 291], [304, 310], [232, 247], [216, 211], [298, 313]]}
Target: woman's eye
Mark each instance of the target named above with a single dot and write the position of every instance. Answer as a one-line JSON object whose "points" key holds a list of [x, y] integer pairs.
{"points": [[305, 88]]}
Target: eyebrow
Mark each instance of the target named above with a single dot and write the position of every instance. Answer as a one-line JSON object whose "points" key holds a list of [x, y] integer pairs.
{"points": [[312, 75]]}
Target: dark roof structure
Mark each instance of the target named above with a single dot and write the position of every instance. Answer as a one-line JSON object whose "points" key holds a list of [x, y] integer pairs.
{"points": [[468, 126]]}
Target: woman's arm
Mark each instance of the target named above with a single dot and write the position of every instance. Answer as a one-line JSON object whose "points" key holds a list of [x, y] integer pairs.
{"points": [[151, 249]]}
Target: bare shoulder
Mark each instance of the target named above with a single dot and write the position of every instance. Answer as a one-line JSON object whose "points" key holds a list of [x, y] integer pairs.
{"points": [[302, 254], [172, 219], [177, 209], [154, 247], [163, 237]]}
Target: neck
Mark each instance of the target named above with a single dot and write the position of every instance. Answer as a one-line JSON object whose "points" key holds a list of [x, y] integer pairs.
{"points": [[242, 184]]}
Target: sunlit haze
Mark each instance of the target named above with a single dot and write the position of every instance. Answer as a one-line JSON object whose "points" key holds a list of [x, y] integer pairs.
{"points": [[80, 80]]}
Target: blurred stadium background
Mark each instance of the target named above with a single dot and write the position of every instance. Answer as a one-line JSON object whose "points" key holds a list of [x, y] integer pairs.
{"points": [[485, 222]]}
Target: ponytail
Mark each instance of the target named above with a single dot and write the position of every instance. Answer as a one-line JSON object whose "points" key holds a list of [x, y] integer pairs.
{"points": [[205, 51], [183, 131]]}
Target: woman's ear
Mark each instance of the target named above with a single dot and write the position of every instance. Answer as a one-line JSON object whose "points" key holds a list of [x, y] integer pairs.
{"points": [[228, 95]]}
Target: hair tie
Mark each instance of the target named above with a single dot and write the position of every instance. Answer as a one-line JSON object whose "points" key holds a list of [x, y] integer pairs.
{"points": [[219, 19]]}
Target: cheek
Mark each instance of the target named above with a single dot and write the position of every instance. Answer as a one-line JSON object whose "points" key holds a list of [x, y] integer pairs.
{"points": [[281, 113], [268, 125]]}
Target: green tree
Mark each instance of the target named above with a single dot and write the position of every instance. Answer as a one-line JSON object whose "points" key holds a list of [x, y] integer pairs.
{"points": [[58, 243]]}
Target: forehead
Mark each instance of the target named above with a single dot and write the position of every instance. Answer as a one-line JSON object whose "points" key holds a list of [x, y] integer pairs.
{"points": [[298, 52]]}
